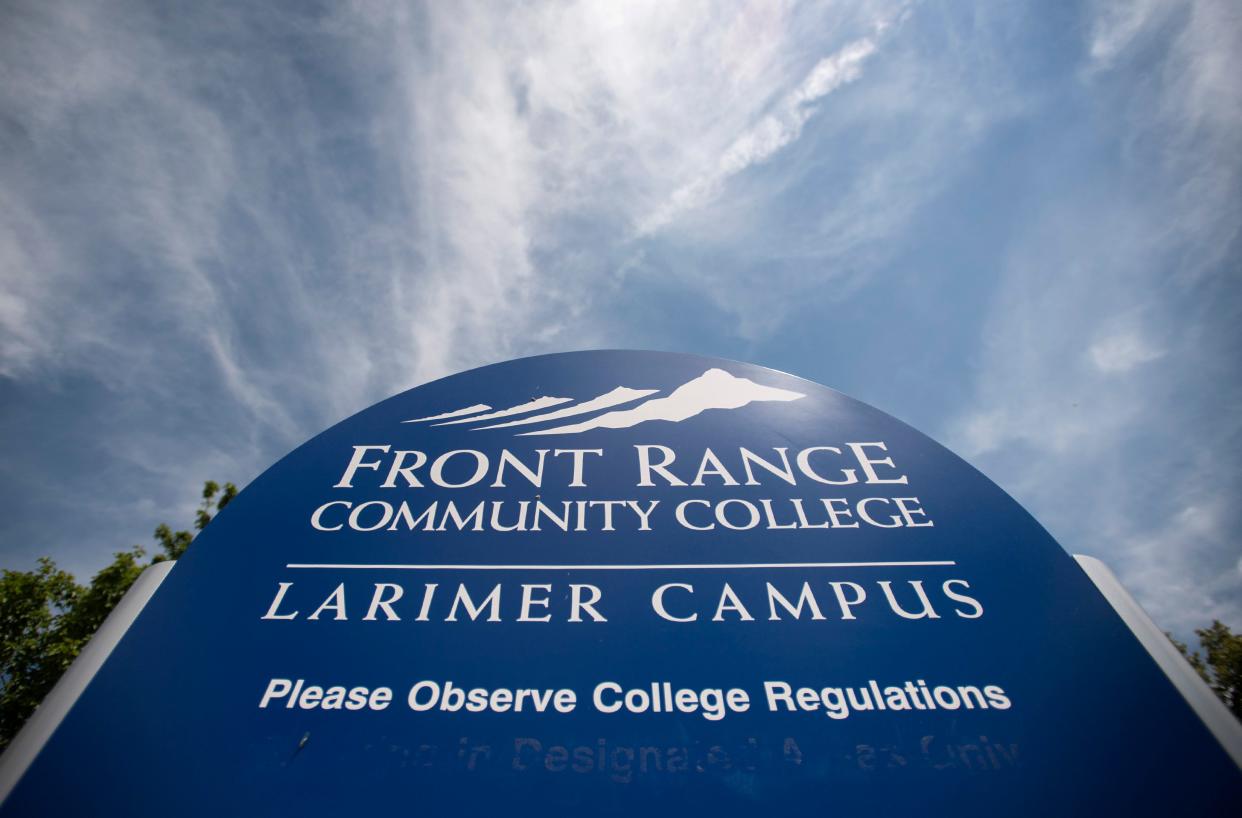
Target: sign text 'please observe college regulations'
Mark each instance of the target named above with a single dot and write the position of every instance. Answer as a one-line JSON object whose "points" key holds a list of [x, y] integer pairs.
{"points": [[622, 581]]}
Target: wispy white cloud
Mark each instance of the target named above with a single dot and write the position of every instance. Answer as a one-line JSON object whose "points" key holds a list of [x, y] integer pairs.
{"points": [[1121, 352], [1112, 324], [314, 212], [1155, 565], [1116, 25], [771, 133], [25, 336], [480, 136]]}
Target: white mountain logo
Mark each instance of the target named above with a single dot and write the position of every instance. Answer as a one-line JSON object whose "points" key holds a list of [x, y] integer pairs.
{"points": [[714, 389]]}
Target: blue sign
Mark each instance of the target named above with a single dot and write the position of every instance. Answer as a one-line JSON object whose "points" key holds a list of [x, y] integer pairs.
{"points": [[618, 583]]}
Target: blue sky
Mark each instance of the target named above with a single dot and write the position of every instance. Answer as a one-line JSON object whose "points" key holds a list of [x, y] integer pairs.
{"points": [[224, 227]]}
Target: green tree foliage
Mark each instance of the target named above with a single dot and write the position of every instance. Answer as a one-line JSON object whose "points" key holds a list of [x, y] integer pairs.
{"points": [[46, 617], [174, 543], [34, 646], [1220, 664]]}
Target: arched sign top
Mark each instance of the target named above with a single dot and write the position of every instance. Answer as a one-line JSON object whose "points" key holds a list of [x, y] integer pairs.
{"points": [[627, 581], [549, 432]]}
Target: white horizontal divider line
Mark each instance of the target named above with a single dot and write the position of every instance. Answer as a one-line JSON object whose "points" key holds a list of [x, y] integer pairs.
{"points": [[661, 567]]}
